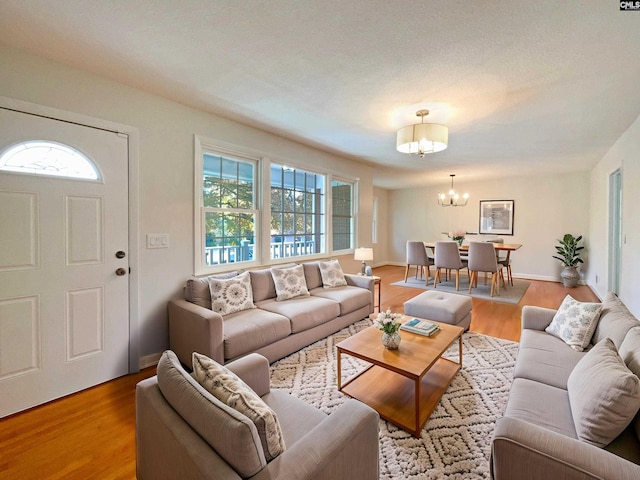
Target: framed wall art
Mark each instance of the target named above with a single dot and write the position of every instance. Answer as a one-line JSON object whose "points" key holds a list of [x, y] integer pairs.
{"points": [[496, 217]]}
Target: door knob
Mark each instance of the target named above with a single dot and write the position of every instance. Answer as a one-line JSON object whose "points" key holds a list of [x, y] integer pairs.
{"points": [[121, 271]]}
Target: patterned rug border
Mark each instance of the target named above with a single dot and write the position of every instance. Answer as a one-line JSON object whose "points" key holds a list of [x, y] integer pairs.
{"points": [[455, 442]]}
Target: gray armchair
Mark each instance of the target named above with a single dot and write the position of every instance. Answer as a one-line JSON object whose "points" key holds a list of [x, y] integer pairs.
{"points": [[447, 256], [417, 255], [182, 431]]}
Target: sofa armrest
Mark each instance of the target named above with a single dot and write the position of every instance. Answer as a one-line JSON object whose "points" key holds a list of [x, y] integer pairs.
{"points": [[361, 281], [166, 446], [193, 328], [344, 445], [253, 369], [536, 318], [526, 451]]}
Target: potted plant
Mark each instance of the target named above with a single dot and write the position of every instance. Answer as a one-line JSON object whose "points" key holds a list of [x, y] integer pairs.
{"points": [[568, 254]]}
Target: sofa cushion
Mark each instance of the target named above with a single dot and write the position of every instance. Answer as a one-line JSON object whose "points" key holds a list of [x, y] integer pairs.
{"points": [[249, 330], [262, 284], [615, 321], [542, 405], [197, 290], [630, 353], [296, 417], [231, 295], [604, 394], [312, 274], [232, 435], [227, 387], [349, 298], [545, 358], [575, 322], [304, 312], [332, 275], [289, 282]]}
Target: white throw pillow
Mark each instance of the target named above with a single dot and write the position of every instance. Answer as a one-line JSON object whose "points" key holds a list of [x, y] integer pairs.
{"points": [[575, 322], [332, 275], [230, 295], [227, 387], [289, 282], [604, 394]]}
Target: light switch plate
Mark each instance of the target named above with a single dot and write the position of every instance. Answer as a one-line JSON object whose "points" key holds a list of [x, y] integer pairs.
{"points": [[157, 240]]}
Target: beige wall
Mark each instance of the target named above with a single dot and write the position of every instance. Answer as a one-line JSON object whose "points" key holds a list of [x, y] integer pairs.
{"points": [[546, 207], [625, 154], [166, 150]]}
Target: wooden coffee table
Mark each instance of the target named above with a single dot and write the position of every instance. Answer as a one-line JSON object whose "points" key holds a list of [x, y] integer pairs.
{"points": [[405, 385]]}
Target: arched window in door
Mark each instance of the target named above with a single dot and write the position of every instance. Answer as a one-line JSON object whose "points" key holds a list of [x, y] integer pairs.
{"points": [[52, 159]]}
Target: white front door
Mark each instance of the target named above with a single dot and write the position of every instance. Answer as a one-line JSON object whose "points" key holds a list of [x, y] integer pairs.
{"points": [[64, 272]]}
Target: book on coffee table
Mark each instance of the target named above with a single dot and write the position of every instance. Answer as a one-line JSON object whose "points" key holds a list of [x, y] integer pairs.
{"points": [[420, 326]]}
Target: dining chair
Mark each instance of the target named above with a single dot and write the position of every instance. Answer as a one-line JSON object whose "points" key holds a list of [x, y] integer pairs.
{"points": [[505, 261], [447, 256], [482, 258], [417, 255]]}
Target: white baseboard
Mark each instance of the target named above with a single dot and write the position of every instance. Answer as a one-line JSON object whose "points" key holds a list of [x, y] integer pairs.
{"points": [[149, 360]]}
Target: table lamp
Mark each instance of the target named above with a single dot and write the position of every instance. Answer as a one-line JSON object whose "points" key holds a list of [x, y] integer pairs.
{"points": [[364, 254]]}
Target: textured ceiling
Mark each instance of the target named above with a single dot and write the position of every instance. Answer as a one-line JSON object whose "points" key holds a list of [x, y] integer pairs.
{"points": [[525, 87]]}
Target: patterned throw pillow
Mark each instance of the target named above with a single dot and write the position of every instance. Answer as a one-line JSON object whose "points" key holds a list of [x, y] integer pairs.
{"points": [[575, 322], [230, 295], [331, 273], [227, 387], [289, 282]]}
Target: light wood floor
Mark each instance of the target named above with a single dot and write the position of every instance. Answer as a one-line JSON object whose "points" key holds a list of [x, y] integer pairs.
{"points": [[91, 434]]}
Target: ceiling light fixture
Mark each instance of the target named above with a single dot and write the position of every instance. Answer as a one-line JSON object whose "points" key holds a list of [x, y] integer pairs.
{"points": [[422, 138], [454, 199]]}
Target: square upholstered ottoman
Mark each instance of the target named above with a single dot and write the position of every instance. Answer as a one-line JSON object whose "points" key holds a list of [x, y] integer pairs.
{"points": [[441, 307]]}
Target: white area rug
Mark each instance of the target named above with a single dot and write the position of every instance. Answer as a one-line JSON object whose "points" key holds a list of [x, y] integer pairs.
{"points": [[455, 441], [511, 294]]}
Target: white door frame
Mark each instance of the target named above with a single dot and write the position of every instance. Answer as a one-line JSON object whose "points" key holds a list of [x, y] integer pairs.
{"points": [[615, 230], [133, 152]]}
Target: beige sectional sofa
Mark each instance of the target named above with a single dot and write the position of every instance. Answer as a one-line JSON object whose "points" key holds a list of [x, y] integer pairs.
{"points": [[542, 432], [185, 432], [274, 328]]}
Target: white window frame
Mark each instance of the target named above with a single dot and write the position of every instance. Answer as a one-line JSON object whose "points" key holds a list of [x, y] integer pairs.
{"points": [[262, 207], [354, 213], [374, 221], [267, 218], [202, 146]]}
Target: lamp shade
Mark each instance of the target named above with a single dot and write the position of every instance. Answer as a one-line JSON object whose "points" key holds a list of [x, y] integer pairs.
{"points": [[422, 138], [364, 254]]}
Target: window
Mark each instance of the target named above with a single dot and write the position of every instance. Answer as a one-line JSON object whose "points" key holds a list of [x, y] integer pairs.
{"points": [[342, 215], [38, 157], [374, 222], [229, 209], [297, 212], [251, 211]]}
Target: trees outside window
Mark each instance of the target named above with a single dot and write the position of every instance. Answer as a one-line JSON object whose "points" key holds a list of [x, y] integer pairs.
{"points": [[297, 212], [228, 195]]}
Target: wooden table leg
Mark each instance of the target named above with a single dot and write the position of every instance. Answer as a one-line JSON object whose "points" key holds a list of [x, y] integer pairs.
{"points": [[339, 370]]}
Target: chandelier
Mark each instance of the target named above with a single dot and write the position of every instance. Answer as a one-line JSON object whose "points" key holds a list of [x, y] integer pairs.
{"points": [[454, 199], [422, 138]]}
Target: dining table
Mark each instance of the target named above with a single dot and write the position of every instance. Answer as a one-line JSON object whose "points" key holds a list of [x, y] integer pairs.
{"points": [[500, 247]]}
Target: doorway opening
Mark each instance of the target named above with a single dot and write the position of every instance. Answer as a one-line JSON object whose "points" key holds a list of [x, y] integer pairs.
{"points": [[615, 230]]}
